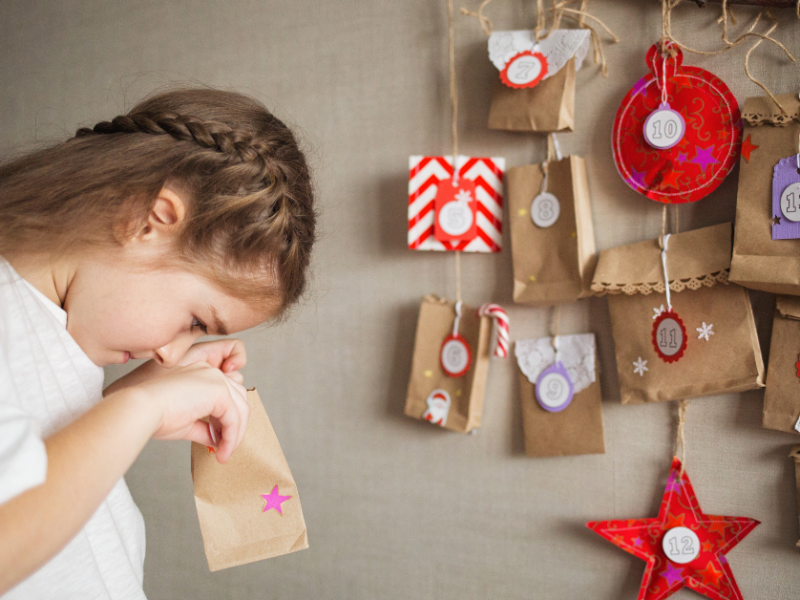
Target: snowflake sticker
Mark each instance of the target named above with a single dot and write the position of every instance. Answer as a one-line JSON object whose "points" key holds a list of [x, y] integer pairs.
{"points": [[640, 366], [704, 331], [463, 196], [658, 311]]}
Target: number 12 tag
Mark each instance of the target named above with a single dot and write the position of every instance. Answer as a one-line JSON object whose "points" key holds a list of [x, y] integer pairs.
{"points": [[669, 336], [786, 199]]}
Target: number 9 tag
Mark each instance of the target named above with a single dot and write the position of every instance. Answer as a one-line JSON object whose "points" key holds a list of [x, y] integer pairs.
{"points": [[554, 389]]}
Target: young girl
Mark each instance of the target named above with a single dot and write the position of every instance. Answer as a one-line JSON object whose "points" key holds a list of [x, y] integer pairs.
{"points": [[190, 215]]}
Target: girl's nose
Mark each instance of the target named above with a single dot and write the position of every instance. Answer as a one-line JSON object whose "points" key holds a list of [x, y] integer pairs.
{"points": [[169, 355]]}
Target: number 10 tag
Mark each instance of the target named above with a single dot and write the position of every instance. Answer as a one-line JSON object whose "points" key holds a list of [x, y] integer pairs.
{"points": [[664, 128]]}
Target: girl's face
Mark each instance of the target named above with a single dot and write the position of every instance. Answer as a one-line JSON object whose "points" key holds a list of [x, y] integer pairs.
{"points": [[116, 312]]}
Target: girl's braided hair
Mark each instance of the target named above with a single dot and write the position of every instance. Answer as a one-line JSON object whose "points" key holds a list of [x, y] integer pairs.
{"points": [[250, 217]]}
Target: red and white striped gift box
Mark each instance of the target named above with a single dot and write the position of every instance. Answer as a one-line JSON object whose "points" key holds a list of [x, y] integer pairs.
{"points": [[424, 175]]}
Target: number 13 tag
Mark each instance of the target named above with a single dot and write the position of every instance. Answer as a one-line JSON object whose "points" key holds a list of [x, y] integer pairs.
{"points": [[669, 336], [786, 199]]}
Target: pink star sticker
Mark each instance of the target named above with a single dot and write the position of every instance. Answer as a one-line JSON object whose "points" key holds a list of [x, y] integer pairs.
{"points": [[274, 500], [703, 157]]}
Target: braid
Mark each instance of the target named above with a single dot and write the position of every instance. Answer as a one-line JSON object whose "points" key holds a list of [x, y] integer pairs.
{"points": [[249, 183]]}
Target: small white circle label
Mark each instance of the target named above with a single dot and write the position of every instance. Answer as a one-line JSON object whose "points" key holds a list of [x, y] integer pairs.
{"points": [[790, 202], [553, 390], [669, 337], [455, 356], [664, 128], [455, 218], [524, 69], [681, 545], [545, 210]]}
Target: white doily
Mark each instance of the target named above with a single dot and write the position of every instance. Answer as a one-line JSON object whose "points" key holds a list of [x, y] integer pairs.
{"points": [[576, 352], [558, 47]]}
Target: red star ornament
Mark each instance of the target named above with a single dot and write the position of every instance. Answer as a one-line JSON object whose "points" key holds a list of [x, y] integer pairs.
{"points": [[747, 148], [682, 546]]}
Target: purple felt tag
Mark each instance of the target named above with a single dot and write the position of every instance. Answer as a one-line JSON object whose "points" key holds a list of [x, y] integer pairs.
{"points": [[554, 389], [786, 200]]}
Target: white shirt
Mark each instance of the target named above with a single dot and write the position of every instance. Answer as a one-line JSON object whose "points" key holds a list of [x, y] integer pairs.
{"points": [[46, 382]]}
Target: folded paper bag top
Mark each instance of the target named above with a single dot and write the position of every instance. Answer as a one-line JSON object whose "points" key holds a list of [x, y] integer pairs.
{"points": [[248, 508]]}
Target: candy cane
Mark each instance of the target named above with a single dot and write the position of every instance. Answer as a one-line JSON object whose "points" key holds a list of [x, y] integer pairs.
{"points": [[501, 320]]}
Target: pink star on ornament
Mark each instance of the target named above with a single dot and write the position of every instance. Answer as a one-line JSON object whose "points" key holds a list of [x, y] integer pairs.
{"points": [[274, 500], [682, 157], [672, 575], [703, 157]]}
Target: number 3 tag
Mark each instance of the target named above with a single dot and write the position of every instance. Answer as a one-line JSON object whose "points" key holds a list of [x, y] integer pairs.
{"points": [[554, 389], [669, 336]]}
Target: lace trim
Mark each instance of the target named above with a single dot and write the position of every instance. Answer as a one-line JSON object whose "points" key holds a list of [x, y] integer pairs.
{"points": [[677, 285], [779, 120]]}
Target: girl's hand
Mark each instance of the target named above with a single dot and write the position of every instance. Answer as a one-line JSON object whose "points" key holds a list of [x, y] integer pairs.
{"points": [[187, 394], [227, 355]]}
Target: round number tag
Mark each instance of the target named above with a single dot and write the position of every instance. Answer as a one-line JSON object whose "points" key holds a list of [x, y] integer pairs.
{"points": [[554, 388], [455, 356], [545, 209], [669, 336], [790, 202], [524, 70], [455, 218], [681, 545], [664, 128]]}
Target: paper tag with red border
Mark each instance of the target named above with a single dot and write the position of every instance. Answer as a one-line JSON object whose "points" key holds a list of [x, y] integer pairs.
{"points": [[456, 211], [455, 356], [669, 336], [524, 70]]}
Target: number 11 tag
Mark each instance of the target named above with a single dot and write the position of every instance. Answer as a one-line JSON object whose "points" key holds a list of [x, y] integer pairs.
{"points": [[669, 336], [786, 199]]}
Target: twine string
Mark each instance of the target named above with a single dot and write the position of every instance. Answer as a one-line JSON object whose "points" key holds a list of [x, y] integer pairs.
{"points": [[680, 437], [556, 322], [457, 319], [454, 123], [664, 244]]}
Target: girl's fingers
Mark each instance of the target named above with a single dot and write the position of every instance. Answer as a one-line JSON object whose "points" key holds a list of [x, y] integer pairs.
{"points": [[236, 356], [236, 376], [232, 417], [199, 433]]}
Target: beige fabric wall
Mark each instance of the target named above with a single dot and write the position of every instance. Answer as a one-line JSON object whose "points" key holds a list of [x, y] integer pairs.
{"points": [[395, 508]]}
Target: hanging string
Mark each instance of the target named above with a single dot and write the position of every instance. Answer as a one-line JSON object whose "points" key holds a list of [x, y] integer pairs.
{"points": [[458, 318], [486, 24], [598, 55], [680, 437], [664, 244], [556, 322], [454, 122], [666, 35]]}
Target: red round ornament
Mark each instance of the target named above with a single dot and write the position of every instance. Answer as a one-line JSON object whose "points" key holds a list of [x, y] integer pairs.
{"points": [[695, 165]]}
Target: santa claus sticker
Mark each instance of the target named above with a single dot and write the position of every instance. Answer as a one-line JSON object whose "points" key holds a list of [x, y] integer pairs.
{"points": [[438, 406]]}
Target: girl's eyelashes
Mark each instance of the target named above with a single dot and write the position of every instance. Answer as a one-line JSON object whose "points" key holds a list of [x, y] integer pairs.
{"points": [[198, 323]]}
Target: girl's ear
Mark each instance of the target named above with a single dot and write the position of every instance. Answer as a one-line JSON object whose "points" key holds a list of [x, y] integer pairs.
{"points": [[166, 216]]}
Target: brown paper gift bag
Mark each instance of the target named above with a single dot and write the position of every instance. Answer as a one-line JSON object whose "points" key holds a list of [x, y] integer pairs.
{"points": [[782, 396], [239, 525], [454, 402], [553, 264], [547, 107], [577, 429], [759, 262], [796, 456], [726, 359]]}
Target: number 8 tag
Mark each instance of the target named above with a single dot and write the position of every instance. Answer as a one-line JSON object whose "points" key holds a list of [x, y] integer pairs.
{"points": [[669, 336]]}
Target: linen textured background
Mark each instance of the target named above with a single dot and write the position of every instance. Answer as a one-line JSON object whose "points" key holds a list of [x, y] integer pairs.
{"points": [[395, 508]]}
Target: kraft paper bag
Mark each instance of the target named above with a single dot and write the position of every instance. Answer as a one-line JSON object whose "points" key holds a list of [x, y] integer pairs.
{"points": [[578, 428], [782, 396], [552, 264], [454, 403], [249, 509], [759, 262], [547, 107], [722, 353], [796, 456]]}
